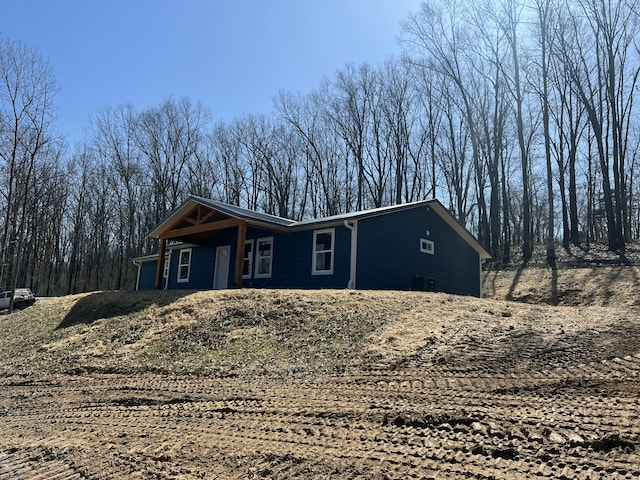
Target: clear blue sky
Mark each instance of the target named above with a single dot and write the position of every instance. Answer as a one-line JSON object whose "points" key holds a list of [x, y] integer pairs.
{"points": [[232, 55]]}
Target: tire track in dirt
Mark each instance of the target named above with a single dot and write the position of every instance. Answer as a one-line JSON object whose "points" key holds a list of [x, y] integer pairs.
{"points": [[394, 425], [506, 404]]}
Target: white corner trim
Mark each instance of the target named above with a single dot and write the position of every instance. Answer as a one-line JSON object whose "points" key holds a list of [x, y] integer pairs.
{"points": [[354, 252]]}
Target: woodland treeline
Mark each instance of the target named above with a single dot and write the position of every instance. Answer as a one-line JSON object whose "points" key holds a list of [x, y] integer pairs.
{"points": [[518, 116]]}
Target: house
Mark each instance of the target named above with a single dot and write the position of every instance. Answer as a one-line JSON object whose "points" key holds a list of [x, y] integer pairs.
{"points": [[207, 244]]}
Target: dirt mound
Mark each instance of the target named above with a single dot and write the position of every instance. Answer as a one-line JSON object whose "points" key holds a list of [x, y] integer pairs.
{"points": [[284, 333], [221, 333]]}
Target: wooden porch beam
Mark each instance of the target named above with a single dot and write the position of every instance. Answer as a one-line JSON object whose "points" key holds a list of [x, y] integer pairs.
{"points": [[182, 218], [242, 236], [160, 267], [205, 227], [208, 216]]}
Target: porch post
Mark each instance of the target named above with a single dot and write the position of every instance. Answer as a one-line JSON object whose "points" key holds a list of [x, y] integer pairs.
{"points": [[160, 267], [242, 236]]}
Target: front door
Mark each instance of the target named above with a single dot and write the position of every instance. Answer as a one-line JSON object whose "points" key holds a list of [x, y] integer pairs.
{"points": [[221, 268]]}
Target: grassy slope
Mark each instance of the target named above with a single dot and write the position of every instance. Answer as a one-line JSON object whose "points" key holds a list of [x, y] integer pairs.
{"points": [[280, 333], [233, 332]]}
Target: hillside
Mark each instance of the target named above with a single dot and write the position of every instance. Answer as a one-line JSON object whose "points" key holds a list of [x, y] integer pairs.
{"points": [[292, 332], [330, 384], [584, 277]]}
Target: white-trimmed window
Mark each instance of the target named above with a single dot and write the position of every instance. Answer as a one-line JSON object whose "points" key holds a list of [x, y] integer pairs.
{"points": [[165, 270], [323, 247], [264, 257], [184, 265], [427, 246], [247, 260]]}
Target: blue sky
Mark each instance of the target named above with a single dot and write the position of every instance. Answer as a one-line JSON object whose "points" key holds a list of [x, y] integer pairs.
{"points": [[232, 55]]}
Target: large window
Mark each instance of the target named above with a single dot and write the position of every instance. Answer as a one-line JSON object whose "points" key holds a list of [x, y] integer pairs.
{"points": [[323, 246], [184, 265], [247, 261], [264, 257]]}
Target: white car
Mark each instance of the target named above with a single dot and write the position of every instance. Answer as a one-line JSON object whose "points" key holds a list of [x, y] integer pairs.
{"points": [[22, 299]]}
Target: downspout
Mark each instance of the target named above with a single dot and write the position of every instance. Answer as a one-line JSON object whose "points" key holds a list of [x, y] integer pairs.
{"points": [[137, 264], [481, 276], [354, 253]]}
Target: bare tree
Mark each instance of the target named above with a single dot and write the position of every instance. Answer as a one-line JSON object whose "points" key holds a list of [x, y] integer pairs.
{"points": [[227, 156], [568, 118], [273, 164], [429, 92], [398, 108], [491, 70], [82, 164], [325, 174], [452, 154], [115, 148], [27, 89], [439, 36], [169, 137], [594, 49], [509, 22], [349, 100], [544, 36]]}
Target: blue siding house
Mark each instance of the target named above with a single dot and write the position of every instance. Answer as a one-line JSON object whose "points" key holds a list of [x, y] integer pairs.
{"points": [[206, 244]]}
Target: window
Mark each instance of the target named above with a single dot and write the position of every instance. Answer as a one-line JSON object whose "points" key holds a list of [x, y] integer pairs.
{"points": [[165, 271], [264, 256], [426, 246], [323, 243], [184, 265], [247, 261]]}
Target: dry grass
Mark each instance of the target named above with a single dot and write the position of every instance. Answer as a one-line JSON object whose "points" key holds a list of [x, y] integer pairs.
{"points": [[585, 277], [211, 333], [291, 332]]}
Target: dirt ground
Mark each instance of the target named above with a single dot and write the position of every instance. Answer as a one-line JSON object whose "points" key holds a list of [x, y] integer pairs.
{"points": [[504, 391]]}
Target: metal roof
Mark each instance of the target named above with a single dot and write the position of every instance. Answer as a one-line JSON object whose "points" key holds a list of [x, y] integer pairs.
{"points": [[360, 214], [265, 220], [243, 213]]}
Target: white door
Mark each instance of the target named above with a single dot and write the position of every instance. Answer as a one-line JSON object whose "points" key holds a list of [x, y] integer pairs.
{"points": [[221, 268]]}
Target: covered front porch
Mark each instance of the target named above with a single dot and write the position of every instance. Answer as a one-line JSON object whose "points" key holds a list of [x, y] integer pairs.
{"points": [[197, 226], [203, 222]]}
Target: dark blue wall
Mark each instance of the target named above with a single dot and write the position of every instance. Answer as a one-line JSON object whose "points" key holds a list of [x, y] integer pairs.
{"points": [[147, 278], [202, 260], [291, 267], [292, 257], [389, 257], [389, 253]]}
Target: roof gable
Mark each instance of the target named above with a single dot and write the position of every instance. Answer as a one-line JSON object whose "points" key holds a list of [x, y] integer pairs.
{"points": [[244, 213], [187, 216]]}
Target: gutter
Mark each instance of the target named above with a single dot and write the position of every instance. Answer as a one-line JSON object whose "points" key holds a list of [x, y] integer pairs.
{"points": [[353, 227]]}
